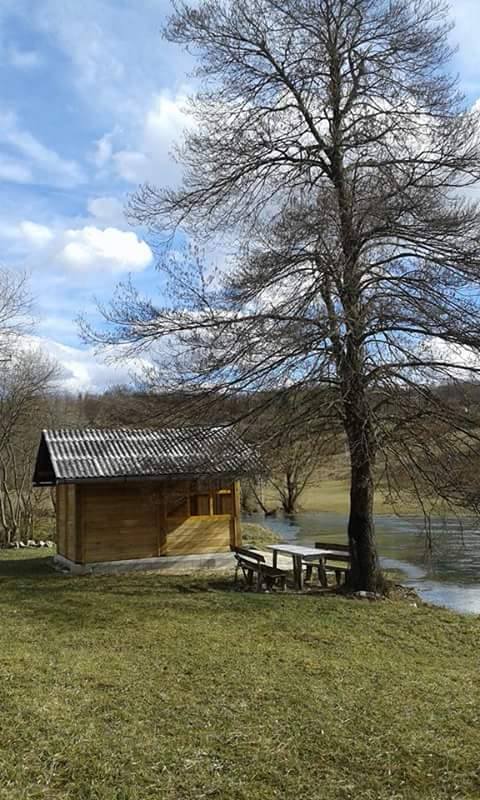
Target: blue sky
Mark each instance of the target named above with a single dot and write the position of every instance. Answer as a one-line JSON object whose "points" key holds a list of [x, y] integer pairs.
{"points": [[91, 103]]}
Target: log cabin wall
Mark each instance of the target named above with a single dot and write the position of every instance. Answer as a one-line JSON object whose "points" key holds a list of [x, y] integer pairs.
{"points": [[61, 519], [119, 522], [114, 522], [72, 540], [67, 512]]}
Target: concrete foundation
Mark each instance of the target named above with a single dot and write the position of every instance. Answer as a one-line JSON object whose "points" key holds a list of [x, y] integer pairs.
{"points": [[173, 565]]}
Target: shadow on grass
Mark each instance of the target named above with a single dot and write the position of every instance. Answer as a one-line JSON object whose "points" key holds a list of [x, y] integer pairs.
{"points": [[223, 583], [35, 567], [33, 585], [20, 566], [127, 584]]}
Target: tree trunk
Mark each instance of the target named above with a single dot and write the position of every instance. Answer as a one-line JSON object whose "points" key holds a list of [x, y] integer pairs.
{"points": [[288, 505], [361, 527], [351, 365], [363, 447], [288, 496]]}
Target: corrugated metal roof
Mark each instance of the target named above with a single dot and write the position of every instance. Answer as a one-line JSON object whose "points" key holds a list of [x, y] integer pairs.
{"points": [[95, 454]]}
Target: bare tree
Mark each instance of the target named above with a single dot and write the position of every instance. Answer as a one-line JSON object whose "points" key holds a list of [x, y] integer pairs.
{"points": [[25, 383], [330, 143], [296, 461], [292, 464], [15, 308], [292, 445]]}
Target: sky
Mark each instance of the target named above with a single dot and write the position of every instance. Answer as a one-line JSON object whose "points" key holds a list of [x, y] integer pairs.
{"points": [[91, 103]]}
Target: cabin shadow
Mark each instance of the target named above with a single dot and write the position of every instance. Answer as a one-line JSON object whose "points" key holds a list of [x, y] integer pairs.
{"points": [[37, 588], [28, 567]]}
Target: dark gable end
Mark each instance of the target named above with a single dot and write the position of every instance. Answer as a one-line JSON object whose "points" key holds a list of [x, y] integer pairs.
{"points": [[75, 455], [44, 474]]}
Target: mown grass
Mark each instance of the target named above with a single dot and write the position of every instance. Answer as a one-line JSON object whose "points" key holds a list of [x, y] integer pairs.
{"points": [[143, 686]]}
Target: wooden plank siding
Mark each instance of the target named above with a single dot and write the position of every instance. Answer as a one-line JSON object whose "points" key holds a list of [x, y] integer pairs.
{"points": [[61, 519], [115, 522], [71, 523], [119, 522]]}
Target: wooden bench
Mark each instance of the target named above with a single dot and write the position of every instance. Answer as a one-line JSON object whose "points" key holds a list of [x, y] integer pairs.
{"points": [[252, 562], [330, 563]]}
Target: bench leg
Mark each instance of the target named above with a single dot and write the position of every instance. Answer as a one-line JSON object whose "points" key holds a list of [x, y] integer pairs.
{"points": [[322, 574], [308, 573], [259, 580], [249, 578]]}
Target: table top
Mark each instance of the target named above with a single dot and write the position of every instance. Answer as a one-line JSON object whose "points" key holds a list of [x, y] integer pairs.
{"points": [[304, 551]]}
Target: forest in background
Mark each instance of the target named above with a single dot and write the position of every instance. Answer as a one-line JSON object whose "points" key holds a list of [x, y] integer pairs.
{"points": [[308, 470]]}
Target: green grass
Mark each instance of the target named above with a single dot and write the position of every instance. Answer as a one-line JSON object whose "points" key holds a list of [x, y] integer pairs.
{"points": [[144, 687]]}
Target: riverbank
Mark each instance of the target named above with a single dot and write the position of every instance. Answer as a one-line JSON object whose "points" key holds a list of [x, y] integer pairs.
{"points": [[447, 574], [146, 686]]}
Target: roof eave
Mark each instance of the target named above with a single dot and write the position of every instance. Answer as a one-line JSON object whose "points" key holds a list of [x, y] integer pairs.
{"points": [[158, 477]]}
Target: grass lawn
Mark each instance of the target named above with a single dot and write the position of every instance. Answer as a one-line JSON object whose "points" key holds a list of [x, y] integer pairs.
{"points": [[143, 686]]}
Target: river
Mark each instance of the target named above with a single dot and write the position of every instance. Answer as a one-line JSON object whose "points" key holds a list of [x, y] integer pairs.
{"points": [[449, 575]]}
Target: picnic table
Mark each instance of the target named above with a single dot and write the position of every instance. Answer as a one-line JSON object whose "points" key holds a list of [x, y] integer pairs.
{"points": [[302, 553]]}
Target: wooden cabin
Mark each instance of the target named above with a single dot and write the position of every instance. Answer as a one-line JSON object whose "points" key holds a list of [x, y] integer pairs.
{"points": [[151, 496]]}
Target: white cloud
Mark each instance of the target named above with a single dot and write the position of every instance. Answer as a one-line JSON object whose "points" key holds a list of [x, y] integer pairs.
{"points": [[38, 235], [27, 232], [92, 248], [456, 355], [149, 154], [102, 249], [24, 59], [80, 369], [165, 118], [131, 165], [103, 150], [162, 128], [40, 158], [107, 210], [14, 171]]}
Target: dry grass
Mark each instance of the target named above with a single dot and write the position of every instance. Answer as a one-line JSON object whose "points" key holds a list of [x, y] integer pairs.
{"points": [[254, 535], [332, 494]]}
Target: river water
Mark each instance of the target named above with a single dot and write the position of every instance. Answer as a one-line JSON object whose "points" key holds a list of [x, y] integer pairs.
{"points": [[448, 575]]}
